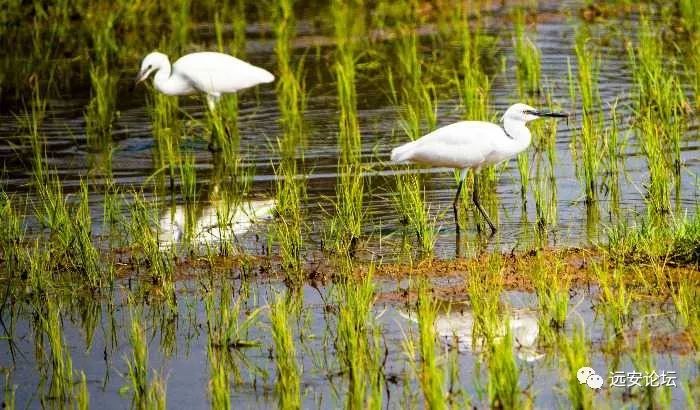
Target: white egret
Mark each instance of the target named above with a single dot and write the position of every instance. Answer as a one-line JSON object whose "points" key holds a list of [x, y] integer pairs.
{"points": [[472, 145], [209, 73]]}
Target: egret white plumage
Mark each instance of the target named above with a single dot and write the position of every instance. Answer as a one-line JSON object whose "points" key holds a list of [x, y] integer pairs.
{"points": [[209, 73], [472, 145]]}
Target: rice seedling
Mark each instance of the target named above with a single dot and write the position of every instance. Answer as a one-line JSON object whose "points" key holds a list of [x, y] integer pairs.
{"points": [[9, 392], [503, 388], [475, 89], [288, 229], [484, 288], [410, 202], [345, 229], [188, 178], [228, 326], [475, 85], [61, 387], [220, 395], [575, 351], [145, 394], [660, 108], [38, 265], [291, 97], [82, 395], [684, 294], [545, 196], [166, 132], [178, 14], [144, 235], [290, 87], [660, 179], [224, 120], [552, 288], [431, 370], [527, 57], [288, 383], [87, 255], [357, 342], [643, 362], [101, 110], [615, 298], [12, 233], [419, 112], [689, 14], [225, 327], [588, 63]]}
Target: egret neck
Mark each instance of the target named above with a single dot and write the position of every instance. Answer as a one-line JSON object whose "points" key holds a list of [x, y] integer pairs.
{"points": [[519, 135], [167, 84]]}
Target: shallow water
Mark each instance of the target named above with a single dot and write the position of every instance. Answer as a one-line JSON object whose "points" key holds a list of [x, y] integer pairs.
{"points": [[178, 340], [133, 164]]}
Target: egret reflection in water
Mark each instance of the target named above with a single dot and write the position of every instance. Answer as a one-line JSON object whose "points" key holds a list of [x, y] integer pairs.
{"points": [[213, 222], [455, 328]]}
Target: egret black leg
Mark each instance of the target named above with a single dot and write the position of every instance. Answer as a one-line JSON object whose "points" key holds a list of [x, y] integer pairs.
{"points": [[475, 198], [455, 204]]}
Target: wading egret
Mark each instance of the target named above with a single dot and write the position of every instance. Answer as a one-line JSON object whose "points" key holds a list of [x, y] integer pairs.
{"points": [[209, 73], [472, 145]]}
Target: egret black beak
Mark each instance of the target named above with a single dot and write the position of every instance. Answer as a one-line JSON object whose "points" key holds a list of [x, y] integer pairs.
{"points": [[142, 75], [549, 114]]}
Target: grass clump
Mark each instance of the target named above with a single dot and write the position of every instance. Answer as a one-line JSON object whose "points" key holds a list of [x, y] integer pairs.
{"points": [[588, 63], [678, 242], [144, 234], [346, 227], [661, 107], [358, 342]]}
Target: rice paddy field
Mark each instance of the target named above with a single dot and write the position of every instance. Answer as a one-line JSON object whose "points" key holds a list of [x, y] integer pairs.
{"points": [[296, 266]]}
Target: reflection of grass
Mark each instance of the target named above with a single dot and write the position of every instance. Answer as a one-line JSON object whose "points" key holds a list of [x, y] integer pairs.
{"points": [[145, 394], [503, 389], [288, 381], [575, 355], [431, 370], [358, 342]]}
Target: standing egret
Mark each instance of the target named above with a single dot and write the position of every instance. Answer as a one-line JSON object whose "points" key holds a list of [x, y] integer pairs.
{"points": [[473, 144], [209, 73]]}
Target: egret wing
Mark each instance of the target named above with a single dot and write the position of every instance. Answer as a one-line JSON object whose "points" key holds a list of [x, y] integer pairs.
{"points": [[464, 144], [216, 73]]}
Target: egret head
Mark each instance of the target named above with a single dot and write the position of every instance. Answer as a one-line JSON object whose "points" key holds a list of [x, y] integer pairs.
{"points": [[524, 113], [153, 62]]}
